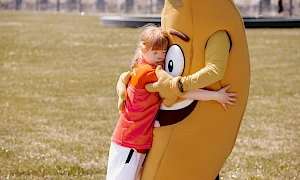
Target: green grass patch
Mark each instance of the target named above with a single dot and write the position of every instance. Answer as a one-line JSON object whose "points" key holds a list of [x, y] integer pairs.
{"points": [[58, 101]]}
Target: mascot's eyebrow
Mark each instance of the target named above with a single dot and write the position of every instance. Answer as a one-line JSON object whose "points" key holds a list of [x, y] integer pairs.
{"points": [[180, 35]]}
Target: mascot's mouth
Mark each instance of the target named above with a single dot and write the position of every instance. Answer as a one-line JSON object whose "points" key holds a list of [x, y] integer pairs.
{"points": [[176, 113]]}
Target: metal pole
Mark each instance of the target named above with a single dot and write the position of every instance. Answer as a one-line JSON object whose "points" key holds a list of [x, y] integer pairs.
{"points": [[132, 5], [80, 6], [126, 6], [150, 8], [260, 8], [17, 5], [291, 7], [102, 5], [58, 5], [37, 5]]}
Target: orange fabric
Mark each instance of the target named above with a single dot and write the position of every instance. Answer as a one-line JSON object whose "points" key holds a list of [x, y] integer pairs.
{"points": [[135, 126], [142, 74]]}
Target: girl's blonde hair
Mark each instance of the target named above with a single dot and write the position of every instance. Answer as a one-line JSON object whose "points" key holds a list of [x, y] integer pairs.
{"points": [[153, 37]]}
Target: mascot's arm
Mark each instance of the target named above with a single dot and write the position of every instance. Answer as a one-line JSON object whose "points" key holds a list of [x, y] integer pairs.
{"points": [[216, 57], [221, 96], [121, 88]]}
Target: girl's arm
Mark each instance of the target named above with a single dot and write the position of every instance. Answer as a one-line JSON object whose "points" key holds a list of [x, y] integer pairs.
{"points": [[221, 96]]}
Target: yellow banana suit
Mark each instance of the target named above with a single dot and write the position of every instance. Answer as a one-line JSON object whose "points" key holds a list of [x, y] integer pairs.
{"points": [[211, 38]]}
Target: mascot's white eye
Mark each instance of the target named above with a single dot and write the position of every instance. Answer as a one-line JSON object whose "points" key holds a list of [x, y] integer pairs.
{"points": [[174, 64]]}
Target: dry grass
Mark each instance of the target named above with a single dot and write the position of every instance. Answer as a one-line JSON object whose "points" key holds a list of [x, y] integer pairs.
{"points": [[58, 100]]}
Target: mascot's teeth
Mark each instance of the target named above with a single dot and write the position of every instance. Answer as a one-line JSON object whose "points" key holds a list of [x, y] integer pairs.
{"points": [[176, 106]]}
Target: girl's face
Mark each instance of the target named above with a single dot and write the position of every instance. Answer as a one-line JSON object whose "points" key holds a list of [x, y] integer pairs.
{"points": [[155, 57]]}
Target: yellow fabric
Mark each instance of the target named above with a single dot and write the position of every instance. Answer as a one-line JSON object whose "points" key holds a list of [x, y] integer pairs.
{"points": [[121, 88], [216, 56], [167, 86], [197, 147]]}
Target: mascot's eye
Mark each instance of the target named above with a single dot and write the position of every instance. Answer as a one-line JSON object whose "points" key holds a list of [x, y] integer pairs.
{"points": [[174, 64]]}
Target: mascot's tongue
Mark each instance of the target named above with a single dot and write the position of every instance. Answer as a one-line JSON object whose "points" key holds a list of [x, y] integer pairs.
{"points": [[168, 117]]}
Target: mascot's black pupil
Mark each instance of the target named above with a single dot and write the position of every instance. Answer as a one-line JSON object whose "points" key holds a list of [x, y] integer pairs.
{"points": [[170, 66]]}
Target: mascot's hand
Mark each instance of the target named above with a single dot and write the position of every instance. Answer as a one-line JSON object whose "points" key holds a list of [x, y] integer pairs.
{"points": [[167, 86], [121, 88]]}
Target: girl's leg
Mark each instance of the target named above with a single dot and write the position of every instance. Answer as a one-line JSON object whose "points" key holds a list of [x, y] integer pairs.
{"points": [[123, 163], [140, 164]]}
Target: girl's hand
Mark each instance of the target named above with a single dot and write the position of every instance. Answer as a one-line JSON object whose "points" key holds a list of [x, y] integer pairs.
{"points": [[226, 97]]}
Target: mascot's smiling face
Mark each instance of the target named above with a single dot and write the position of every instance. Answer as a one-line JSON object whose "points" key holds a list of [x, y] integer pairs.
{"points": [[179, 56], [177, 19], [196, 137], [175, 66]]}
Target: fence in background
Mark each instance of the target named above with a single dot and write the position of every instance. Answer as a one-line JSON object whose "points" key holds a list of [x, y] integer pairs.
{"points": [[248, 8]]}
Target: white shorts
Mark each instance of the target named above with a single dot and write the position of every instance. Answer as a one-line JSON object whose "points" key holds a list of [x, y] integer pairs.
{"points": [[124, 163]]}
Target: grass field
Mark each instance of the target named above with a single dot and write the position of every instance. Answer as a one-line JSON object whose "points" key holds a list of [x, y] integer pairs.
{"points": [[58, 101]]}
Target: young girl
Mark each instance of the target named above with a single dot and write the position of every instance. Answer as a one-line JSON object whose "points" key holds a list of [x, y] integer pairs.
{"points": [[132, 137]]}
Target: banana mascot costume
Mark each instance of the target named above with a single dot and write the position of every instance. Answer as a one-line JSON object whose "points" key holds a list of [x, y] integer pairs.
{"points": [[208, 50]]}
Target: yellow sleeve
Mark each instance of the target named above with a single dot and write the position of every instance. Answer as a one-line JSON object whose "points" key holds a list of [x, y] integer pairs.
{"points": [[216, 57]]}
